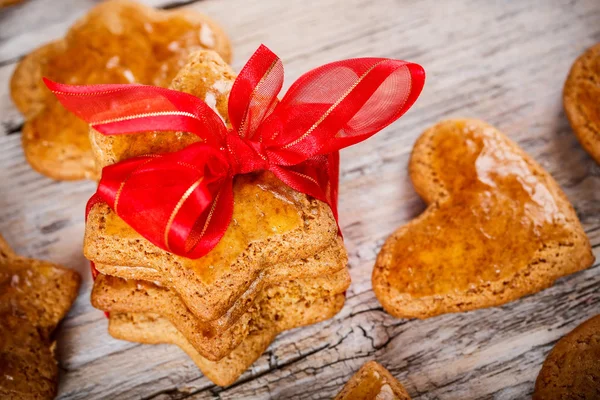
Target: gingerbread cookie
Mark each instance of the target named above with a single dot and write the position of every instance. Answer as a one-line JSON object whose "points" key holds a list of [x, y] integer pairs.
{"points": [[581, 99], [497, 227], [572, 369], [34, 297], [275, 237], [373, 382], [119, 41], [327, 261], [275, 227], [151, 328], [216, 339], [205, 75]]}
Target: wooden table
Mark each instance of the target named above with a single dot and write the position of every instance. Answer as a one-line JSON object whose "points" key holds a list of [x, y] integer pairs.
{"points": [[501, 61]]}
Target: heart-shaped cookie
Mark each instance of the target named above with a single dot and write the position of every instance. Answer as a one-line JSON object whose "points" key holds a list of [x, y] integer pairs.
{"points": [[497, 227], [581, 98]]}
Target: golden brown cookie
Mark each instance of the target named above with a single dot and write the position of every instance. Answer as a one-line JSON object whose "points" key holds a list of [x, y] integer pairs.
{"points": [[572, 369], [581, 99], [118, 41], [34, 297], [497, 227], [273, 305], [28, 369], [373, 382]]}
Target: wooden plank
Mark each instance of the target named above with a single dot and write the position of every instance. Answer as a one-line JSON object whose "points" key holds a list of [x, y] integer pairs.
{"points": [[504, 62]]}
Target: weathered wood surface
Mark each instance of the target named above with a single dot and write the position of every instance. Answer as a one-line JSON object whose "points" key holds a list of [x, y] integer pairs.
{"points": [[504, 62]]}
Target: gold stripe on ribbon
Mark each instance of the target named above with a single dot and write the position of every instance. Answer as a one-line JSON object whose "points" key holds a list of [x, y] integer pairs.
{"points": [[89, 94], [210, 215], [206, 223], [118, 195], [262, 80], [178, 206], [333, 107], [152, 114], [305, 176]]}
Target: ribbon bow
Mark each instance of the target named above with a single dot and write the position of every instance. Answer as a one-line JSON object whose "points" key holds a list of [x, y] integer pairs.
{"points": [[183, 201]]}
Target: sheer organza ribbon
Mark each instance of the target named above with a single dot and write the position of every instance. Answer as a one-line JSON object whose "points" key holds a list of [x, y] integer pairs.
{"points": [[183, 201]]}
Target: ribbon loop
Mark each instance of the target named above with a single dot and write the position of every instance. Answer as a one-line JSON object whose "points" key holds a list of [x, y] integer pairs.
{"points": [[254, 92], [183, 201], [342, 103]]}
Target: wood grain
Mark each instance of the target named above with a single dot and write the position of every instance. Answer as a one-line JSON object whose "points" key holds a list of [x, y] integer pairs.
{"points": [[503, 62]]}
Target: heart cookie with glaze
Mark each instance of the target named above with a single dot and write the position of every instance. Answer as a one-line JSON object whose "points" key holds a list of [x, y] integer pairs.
{"points": [[497, 227]]}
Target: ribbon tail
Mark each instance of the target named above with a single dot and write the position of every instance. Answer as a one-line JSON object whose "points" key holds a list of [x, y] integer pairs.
{"points": [[125, 108], [212, 226]]}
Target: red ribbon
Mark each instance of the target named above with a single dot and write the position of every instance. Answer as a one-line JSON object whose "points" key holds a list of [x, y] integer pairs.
{"points": [[183, 201]]}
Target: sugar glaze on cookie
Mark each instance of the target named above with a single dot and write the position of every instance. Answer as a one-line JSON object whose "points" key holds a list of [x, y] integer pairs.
{"points": [[373, 382], [497, 227]]}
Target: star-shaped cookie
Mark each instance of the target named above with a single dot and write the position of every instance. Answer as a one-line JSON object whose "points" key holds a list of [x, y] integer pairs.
{"points": [[273, 306], [118, 41]]}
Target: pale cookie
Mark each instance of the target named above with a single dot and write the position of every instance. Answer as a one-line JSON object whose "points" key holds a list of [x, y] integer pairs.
{"points": [[153, 329], [581, 99], [118, 41], [330, 261], [34, 297], [274, 305], [373, 382], [497, 227], [572, 369]]}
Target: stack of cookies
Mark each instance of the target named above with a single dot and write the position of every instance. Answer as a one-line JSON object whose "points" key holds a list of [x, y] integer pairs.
{"points": [[280, 264]]}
